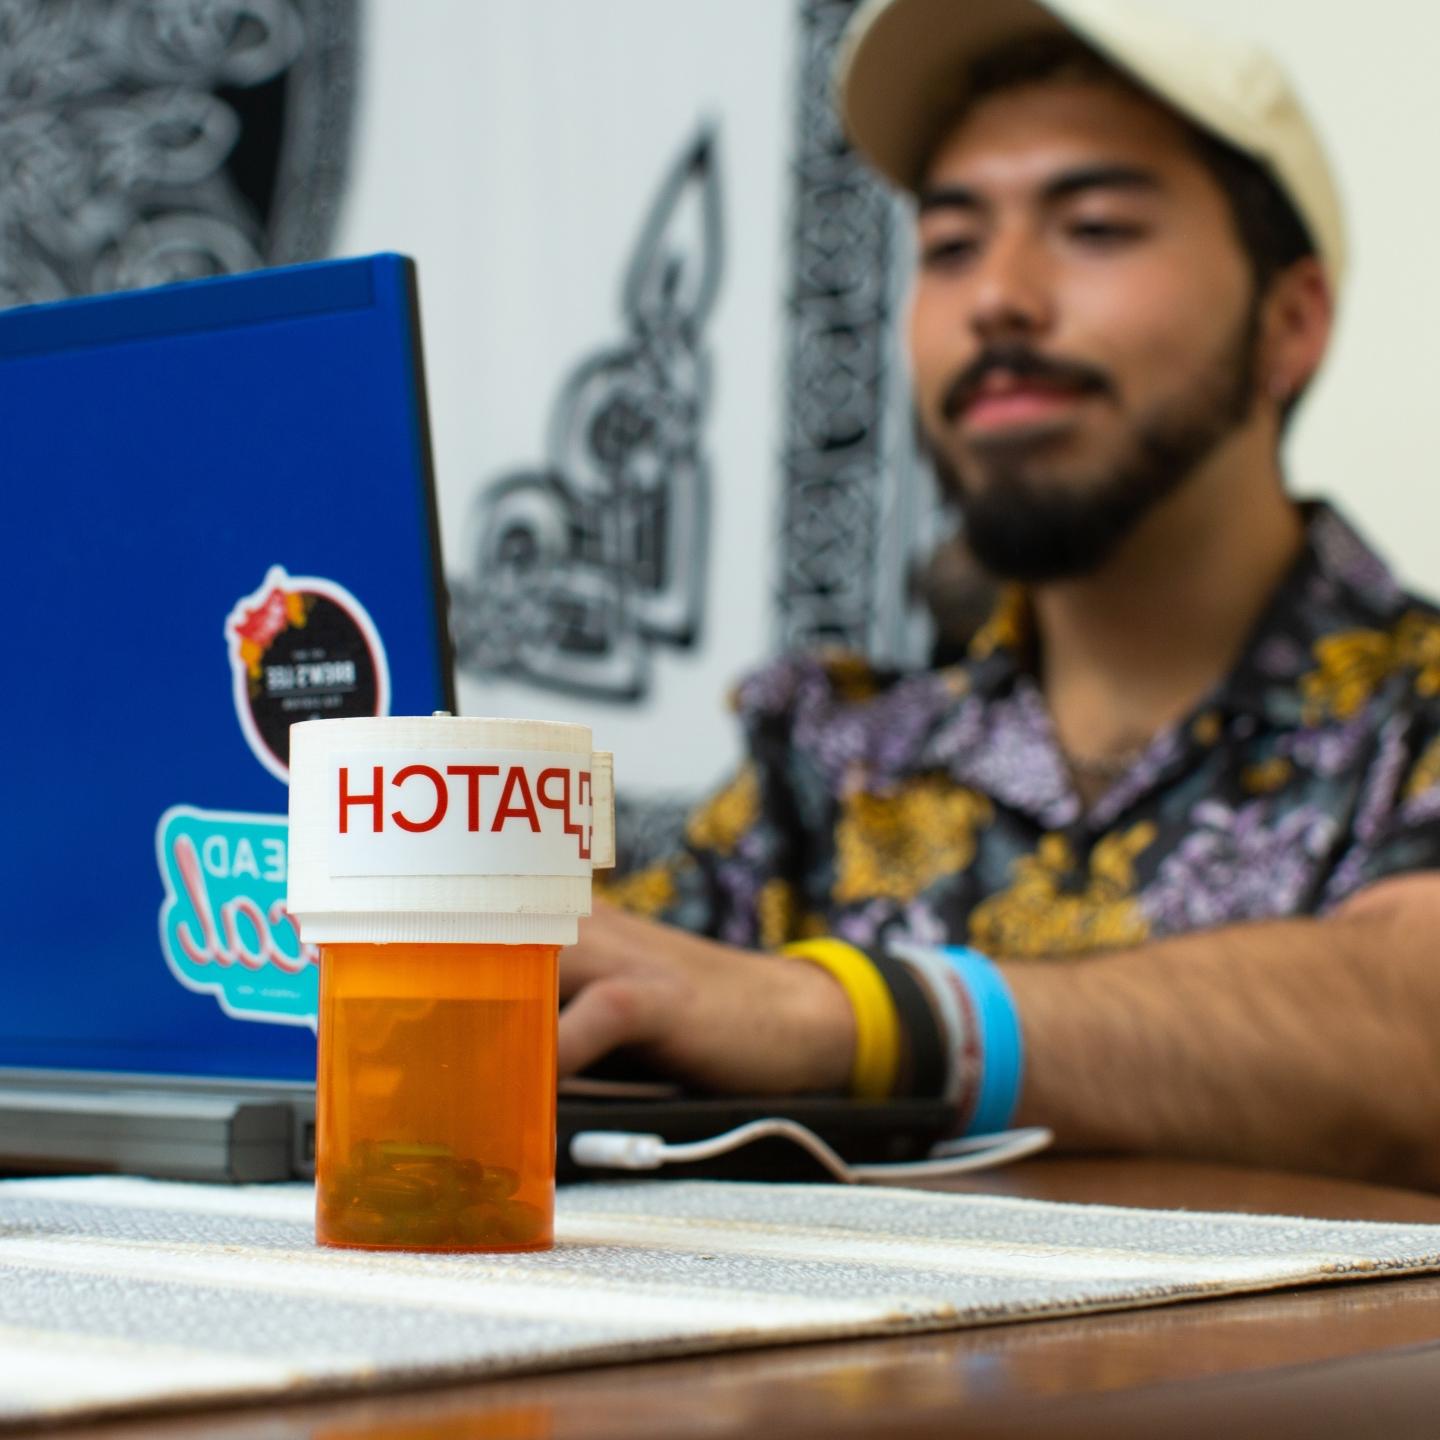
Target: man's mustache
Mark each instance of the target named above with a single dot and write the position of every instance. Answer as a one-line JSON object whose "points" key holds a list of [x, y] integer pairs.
{"points": [[1024, 364]]}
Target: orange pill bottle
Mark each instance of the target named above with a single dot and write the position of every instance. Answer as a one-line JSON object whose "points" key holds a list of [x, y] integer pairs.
{"points": [[440, 864], [435, 1102]]}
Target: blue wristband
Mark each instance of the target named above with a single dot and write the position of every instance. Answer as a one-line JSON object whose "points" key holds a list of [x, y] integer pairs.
{"points": [[1002, 1051]]}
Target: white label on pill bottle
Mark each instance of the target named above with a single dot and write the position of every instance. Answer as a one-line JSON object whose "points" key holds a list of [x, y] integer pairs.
{"points": [[459, 812]]}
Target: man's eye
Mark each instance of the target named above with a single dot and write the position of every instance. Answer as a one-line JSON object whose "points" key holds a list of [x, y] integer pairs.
{"points": [[951, 251], [1103, 234]]}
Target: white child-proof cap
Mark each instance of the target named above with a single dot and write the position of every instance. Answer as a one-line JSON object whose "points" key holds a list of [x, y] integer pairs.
{"points": [[445, 829]]}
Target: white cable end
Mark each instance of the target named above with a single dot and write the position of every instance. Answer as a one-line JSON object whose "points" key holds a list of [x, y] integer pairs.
{"points": [[617, 1150]]}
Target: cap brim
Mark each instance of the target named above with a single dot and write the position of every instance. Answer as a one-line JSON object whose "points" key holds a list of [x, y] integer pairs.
{"points": [[901, 72], [897, 75]]}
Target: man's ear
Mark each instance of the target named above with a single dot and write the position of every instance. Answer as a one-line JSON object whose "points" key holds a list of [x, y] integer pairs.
{"points": [[1295, 330]]}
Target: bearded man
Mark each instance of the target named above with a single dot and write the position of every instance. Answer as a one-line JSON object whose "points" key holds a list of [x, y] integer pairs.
{"points": [[1151, 864]]}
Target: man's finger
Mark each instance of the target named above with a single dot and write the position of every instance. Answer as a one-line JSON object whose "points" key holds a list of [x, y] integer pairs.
{"points": [[602, 1017], [612, 943], [588, 964]]}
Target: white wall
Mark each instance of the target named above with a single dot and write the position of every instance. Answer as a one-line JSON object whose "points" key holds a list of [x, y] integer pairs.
{"points": [[512, 147], [1364, 435]]}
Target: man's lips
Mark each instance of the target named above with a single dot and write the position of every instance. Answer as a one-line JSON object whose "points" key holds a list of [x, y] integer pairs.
{"points": [[1012, 406]]}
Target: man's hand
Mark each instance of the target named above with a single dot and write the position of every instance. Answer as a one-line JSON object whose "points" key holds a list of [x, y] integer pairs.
{"points": [[716, 1016]]}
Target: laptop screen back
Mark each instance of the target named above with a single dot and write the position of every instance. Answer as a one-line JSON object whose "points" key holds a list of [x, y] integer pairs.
{"points": [[219, 519]]}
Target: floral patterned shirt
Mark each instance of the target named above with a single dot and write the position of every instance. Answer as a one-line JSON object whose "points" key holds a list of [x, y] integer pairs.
{"points": [[937, 807]]}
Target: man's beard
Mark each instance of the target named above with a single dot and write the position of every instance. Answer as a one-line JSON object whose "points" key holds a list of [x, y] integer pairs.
{"points": [[1022, 526]]}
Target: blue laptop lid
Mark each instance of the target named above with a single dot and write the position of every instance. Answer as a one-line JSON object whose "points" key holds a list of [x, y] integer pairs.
{"points": [[219, 519]]}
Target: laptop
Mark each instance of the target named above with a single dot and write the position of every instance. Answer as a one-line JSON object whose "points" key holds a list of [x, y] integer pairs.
{"points": [[221, 518]]}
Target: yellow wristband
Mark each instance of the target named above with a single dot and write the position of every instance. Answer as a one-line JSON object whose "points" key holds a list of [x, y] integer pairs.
{"points": [[877, 1026]]}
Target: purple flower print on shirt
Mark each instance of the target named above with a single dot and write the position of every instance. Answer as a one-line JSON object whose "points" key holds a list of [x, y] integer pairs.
{"points": [[1237, 864]]}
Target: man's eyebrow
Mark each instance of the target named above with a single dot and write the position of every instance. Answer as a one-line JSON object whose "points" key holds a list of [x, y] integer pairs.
{"points": [[950, 197], [1099, 177], [1061, 187]]}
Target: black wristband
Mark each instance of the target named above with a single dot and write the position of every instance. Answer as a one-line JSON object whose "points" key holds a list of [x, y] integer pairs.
{"points": [[924, 1047]]}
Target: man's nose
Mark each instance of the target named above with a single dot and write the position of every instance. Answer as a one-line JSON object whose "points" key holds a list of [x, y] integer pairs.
{"points": [[1012, 297]]}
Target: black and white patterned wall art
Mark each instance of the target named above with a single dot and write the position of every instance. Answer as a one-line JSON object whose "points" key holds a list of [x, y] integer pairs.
{"points": [[839, 305], [583, 564], [145, 141]]}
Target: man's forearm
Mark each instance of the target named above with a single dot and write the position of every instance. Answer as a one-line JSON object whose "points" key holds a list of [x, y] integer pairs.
{"points": [[1303, 1044]]}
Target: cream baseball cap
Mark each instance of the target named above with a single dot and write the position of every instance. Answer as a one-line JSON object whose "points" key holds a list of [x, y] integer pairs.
{"points": [[902, 63]]}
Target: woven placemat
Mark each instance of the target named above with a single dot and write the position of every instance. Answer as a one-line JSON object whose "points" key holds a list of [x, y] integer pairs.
{"points": [[120, 1295]]}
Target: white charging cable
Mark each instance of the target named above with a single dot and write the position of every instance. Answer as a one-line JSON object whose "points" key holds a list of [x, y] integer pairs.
{"points": [[627, 1150]]}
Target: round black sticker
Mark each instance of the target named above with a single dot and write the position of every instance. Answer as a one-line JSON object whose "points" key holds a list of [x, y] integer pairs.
{"points": [[302, 648]]}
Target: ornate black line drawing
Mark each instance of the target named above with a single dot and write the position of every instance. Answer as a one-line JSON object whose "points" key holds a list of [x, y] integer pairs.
{"points": [[838, 372], [158, 140], [580, 568]]}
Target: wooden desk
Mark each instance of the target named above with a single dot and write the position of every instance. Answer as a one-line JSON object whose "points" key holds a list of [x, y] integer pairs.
{"points": [[1349, 1360]]}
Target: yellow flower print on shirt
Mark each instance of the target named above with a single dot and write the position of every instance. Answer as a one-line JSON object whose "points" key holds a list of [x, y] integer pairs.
{"points": [[1418, 637], [1008, 627], [781, 919], [1038, 916], [1265, 777], [643, 892], [1426, 774], [851, 676], [896, 845], [1351, 665], [720, 822], [1207, 728]]}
